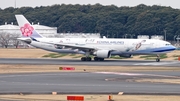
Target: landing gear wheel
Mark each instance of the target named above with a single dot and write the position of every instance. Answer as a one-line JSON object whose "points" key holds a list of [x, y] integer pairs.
{"points": [[95, 58], [86, 59], [83, 59], [101, 59], [157, 60], [98, 59]]}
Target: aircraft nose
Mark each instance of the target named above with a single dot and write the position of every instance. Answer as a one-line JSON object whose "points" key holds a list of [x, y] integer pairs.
{"points": [[172, 47]]}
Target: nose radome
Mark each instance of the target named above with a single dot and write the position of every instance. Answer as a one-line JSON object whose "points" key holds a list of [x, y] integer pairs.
{"points": [[171, 47], [174, 47]]}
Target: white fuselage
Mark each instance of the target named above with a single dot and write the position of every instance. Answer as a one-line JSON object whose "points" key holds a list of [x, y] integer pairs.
{"points": [[116, 46]]}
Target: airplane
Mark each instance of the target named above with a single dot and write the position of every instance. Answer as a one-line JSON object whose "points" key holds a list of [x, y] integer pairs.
{"points": [[99, 47]]}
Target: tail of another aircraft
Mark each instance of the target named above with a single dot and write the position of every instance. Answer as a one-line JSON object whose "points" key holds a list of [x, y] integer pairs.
{"points": [[26, 28]]}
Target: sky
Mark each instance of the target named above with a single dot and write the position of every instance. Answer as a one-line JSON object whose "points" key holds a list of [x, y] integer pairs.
{"points": [[33, 3]]}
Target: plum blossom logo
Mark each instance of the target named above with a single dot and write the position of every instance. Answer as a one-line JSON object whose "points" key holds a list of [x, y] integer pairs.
{"points": [[27, 30], [139, 44]]}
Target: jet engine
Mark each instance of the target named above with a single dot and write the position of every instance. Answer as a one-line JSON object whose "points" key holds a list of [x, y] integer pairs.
{"points": [[26, 40], [59, 47], [125, 55], [103, 53]]}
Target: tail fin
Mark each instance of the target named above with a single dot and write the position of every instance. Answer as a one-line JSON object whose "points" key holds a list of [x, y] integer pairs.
{"points": [[26, 28]]}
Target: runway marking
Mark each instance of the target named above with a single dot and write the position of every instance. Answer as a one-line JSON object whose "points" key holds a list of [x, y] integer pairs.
{"points": [[51, 84], [45, 84], [137, 74], [157, 63], [117, 73], [31, 75]]}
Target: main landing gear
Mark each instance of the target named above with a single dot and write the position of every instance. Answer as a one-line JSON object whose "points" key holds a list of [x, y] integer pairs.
{"points": [[158, 58], [98, 59], [89, 59], [86, 59]]}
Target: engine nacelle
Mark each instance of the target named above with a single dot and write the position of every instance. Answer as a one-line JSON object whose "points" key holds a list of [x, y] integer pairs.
{"points": [[59, 47], [103, 53], [125, 55]]}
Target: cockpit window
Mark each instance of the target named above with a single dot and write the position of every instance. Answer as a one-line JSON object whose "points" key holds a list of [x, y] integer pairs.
{"points": [[168, 44]]}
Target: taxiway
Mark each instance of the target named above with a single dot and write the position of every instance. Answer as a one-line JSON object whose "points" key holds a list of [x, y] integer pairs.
{"points": [[87, 83]]}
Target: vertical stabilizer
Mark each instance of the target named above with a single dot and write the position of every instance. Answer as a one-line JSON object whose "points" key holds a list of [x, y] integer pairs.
{"points": [[26, 28]]}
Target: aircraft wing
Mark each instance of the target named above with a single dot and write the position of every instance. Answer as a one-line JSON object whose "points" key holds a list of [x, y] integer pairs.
{"points": [[83, 47], [75, 46]]}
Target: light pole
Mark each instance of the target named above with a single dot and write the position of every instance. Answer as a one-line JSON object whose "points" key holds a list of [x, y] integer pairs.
{"points": [[165, 35], [178, 38], [107, 34], [175, 38], [114, 35], [132, 36], [125, 36], [117, 34]]}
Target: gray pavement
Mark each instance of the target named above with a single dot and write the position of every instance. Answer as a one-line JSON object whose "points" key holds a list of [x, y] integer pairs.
{"points": [[90, 63], [85, 82]]}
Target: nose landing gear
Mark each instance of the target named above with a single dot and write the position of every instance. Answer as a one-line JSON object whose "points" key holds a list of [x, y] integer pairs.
{"points": [[158, 58]]}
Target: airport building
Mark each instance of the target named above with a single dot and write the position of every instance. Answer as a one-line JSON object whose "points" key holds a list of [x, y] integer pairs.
{"points": [[160, 37], [143, 37]]}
